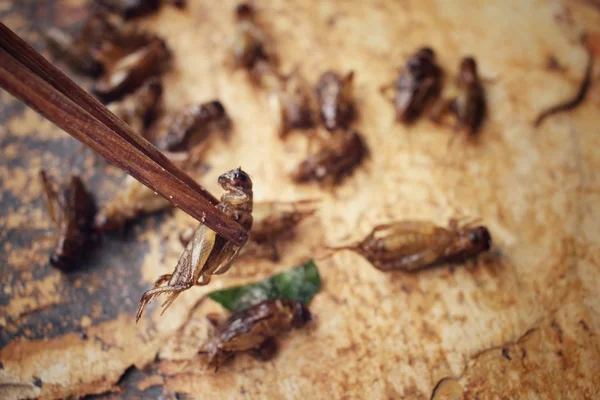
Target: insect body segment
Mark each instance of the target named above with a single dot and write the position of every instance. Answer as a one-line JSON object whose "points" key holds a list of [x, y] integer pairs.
{"points": [[254, 330], [208, 253], [72, 209], [412, 245]]}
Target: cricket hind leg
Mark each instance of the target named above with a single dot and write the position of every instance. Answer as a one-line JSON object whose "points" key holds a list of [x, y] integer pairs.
{"points": [[173, 291]]}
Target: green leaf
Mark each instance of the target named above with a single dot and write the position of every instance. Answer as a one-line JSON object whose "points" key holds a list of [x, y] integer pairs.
{"points": [[300, 283]]}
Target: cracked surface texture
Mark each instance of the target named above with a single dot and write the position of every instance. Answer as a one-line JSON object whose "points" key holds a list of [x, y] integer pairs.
{"points": [[522, 322]]}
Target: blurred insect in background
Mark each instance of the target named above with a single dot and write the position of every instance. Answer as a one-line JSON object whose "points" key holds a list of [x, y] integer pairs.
{"points": [[72, 209], [417, 86], [335, 100], [254, 330]]}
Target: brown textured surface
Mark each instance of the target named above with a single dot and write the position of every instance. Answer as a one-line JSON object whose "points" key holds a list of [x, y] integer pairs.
{"points": [[523, 322]]}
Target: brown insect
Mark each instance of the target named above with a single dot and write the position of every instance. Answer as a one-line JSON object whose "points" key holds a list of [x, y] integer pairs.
{"points": [[207, 253], [72, 209], [125, 73], [335, 99], [254, 330], [412, 245], [273, 221], [418, 84], [468, 105], [141, 107], [339, 157], [185, 129], [133, 200], [102, 40], [577, 99], [249, 44], [77, 54]]}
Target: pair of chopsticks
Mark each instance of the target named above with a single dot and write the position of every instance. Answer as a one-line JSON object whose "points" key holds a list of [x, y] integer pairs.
{"points": [[27, 75]]}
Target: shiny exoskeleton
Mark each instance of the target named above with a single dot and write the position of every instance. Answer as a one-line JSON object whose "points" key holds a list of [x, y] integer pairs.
{"points": [[141, 107], [418, 84], [412, 245], [339, 157], [125, 74], [335, 98], [72, 209], [207, 253], [254, 330], [134, 199], [468, 106], [188, 127]]}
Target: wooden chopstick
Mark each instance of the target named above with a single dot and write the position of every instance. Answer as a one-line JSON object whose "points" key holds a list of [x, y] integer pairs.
{"points": [[30, 77], [35, 62]]}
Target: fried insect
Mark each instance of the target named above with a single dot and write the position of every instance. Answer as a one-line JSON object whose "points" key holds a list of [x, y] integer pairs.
{"points": [[339, 157], [185, 129], [76, 53], [141, 107], [273, 221], [127, 73], [207, 253], [249, 44], [468, 105], [575, 101], [412, 245], [102, 39], [290, 99], [134, 200], [418, 84], [72, 209], [254, 330], [334, 95]]}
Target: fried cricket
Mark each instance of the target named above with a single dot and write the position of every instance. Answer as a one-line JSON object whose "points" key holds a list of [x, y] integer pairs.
{"points": [[290, 98], [133, 200], [190, 126], [412, 245], [250, 43], [335, 98], [468, 106], [254, 330], [339, 157], [125, 73], [418, 84], [72, 209], [141, 107], [207, 253]]}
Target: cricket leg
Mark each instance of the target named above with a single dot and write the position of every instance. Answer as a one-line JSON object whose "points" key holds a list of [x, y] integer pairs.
{"points": [[152, 293]]}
